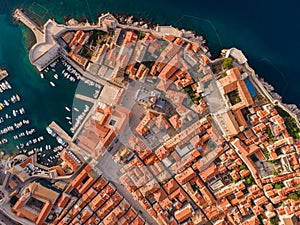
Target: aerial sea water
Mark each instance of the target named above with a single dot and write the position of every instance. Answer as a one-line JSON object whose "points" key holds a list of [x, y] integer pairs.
{"points": [[266, 31]]}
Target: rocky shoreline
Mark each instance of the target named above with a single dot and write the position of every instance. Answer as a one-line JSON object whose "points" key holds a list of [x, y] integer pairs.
{"points": [[141, 22], [134, 21], [292, 107]]}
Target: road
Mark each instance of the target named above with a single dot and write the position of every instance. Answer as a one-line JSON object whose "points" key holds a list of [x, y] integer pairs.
{"points": [[5, 220]]}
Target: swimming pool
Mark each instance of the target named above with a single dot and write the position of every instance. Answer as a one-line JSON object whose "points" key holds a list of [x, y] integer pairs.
{"points": [[250, 87]]}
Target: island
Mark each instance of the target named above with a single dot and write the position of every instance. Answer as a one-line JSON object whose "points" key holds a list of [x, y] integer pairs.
{"points": [[168, 135]]}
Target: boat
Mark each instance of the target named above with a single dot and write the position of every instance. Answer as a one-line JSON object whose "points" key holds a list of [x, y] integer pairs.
{"points": [[22, 111], [55, 76], [7, 84], [6, 103], [31, 152], [52, 84], [51, 132], [42, 76], [68, 109], [77, 110], [13, 99], [18, 97], [60, 140], [68, 118], [3, 86]]}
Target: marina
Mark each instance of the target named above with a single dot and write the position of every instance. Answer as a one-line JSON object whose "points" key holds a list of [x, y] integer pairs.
{"points": [[21, 135]]}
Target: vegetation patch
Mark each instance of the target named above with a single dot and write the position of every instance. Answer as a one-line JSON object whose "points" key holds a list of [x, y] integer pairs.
{"points": [[293, 196], [290, 122], [227, 63]]}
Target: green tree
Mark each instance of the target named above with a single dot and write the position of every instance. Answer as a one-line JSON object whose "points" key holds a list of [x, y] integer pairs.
{"points": [[278, 185], [274, 221], [293, 196], [226, 64], [243, 166]]}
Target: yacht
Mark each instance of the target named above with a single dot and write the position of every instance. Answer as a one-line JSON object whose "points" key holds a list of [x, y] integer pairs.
{"points": [[6, 103], [68, 109], [42, 76], [50, 131], [55, 76], [18, 97], [60, 140], [68, 118], [7, 84], [22, 111], [13, 99], [52, 84]]}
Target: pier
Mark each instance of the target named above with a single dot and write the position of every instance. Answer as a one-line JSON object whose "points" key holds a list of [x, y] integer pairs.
{"points": [[60, 132], [19, 15], [85, 98]]}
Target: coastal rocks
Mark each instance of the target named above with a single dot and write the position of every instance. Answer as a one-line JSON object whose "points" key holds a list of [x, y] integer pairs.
{"points": [[134, 21], [292, 107], [145, 26], [135, 24], [72, 22]]}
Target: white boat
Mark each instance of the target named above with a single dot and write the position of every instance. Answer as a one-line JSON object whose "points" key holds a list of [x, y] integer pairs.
{"points": [[52, 84], [68, 109], [42, 76], [3, 86], [68, 118], [18, 97], [6, 103], [55, 76], [22, 111], [7, 84], [13, 99], [50, 131], [77, 110]]}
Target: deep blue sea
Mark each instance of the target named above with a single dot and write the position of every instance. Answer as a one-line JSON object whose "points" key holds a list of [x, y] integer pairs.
{"points": [[268, 32]]}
